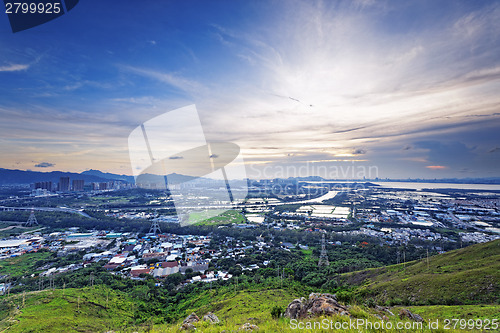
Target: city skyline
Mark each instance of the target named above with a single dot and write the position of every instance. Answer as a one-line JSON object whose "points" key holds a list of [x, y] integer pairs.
{"points": [[407, 89]]}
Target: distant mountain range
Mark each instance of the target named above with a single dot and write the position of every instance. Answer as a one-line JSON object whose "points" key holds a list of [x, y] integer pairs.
{"points": [[10, 177], [21, 177], [107, 175]]}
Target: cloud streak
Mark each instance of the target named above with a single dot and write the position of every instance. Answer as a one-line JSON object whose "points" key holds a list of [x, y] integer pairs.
{"points": [[14, 67]]}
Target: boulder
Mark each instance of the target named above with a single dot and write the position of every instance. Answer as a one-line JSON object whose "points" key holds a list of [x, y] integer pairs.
{"points": [[405, 313], [294, 309], [188, 327], [325, 304], [317, 305], [248, 327], [192, 318], [211, 318]]}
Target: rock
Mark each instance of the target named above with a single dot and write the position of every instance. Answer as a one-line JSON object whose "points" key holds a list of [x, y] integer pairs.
{"points": [[188, 327], [330, 296], [384, 309], [317, 305], [211, 318], [294, 309], [192, 318], [248, 327], [405, 313]]}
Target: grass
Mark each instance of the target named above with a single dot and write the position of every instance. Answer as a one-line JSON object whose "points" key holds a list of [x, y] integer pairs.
{"points": [[108, 200], [466, 276], [224, 217], [482, 311], [240, 307], [359, 314], [69, 310], [101, 309], [23, 265]]}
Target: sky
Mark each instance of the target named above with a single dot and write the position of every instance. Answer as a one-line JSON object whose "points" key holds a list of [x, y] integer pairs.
{"points": [[338, 89]]}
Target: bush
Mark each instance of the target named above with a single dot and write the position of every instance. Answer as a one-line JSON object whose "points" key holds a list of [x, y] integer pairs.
{"points": [[396, 301], [276, 311], [370, 302]]}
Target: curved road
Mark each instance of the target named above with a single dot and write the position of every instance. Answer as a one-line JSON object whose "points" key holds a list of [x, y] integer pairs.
{"points": [[48, 209]]}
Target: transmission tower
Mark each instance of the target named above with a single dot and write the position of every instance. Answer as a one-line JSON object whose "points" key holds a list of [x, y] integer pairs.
{"points": [[323, 257], [155, 228], [31, 220]]}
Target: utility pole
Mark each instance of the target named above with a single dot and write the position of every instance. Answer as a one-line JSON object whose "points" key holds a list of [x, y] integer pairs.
{"points": [[427, 258], [404, 260]]}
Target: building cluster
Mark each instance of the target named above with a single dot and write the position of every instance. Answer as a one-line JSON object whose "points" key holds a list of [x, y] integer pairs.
{"points": [[127, 255], [66, 184]]}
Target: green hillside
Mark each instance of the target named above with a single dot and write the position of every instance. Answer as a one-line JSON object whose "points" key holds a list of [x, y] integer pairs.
{"points": [[466, 276], [101, 309], [71, 310]]}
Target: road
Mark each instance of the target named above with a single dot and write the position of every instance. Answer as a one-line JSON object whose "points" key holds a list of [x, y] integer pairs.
{"points": [[48, 209]]}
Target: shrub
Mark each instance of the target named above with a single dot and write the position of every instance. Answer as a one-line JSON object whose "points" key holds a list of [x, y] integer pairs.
{"points": [[276, 311]]}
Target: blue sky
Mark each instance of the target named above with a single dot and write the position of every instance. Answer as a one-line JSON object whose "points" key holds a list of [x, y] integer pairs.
{"points": [[409, 88]]}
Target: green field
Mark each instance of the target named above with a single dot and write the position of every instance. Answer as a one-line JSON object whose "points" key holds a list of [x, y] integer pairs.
{"points": [[224, 217]]}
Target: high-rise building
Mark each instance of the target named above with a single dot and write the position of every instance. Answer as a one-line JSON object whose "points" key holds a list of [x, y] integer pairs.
{"points": [[78, 184], [44, 185], [64, 184]]}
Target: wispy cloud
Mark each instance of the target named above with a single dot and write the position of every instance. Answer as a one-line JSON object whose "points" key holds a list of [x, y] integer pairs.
{"points": [[436, 167], [174, 80], [363, 85], [14, 67]]}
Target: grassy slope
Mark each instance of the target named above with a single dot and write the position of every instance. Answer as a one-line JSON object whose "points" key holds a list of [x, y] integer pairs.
{"points": [[235, 309], [69, 310], [470, 275], [60, 311]]}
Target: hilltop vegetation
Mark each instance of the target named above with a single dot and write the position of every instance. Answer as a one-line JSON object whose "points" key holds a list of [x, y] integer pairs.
{"points": [[101, 309], [466, 276], [69, 310]]}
